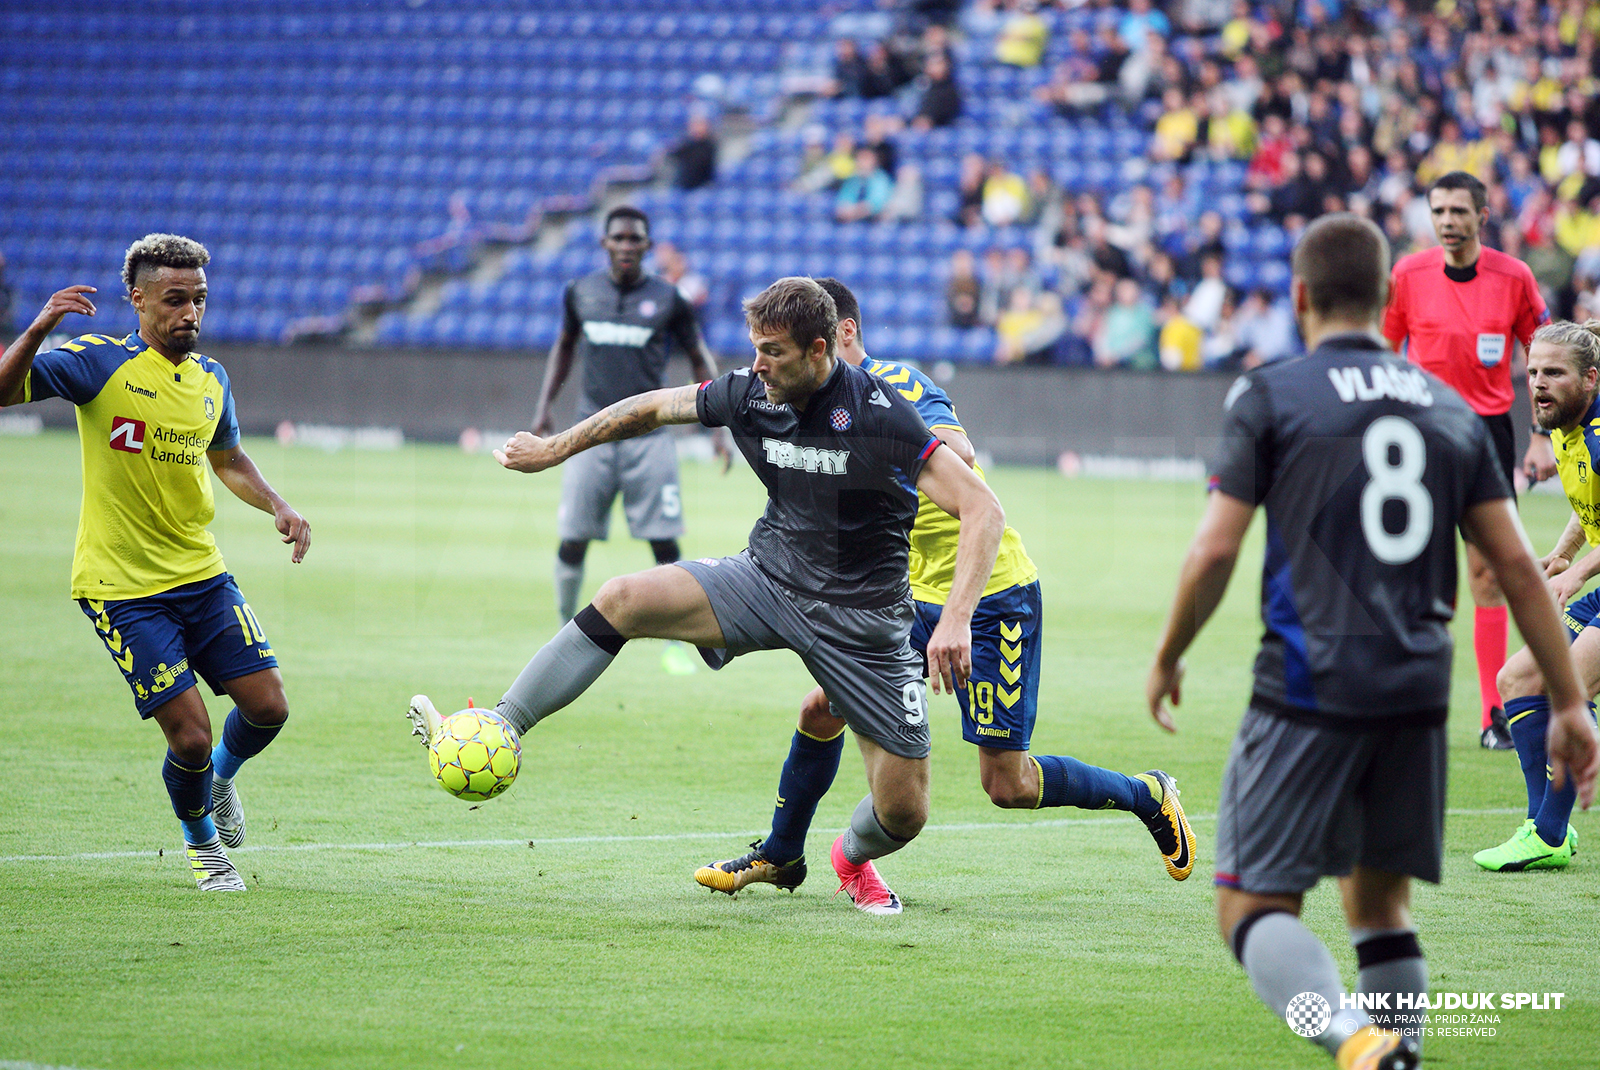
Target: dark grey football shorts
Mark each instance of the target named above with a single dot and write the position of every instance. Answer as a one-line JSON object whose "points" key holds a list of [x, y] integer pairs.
{"points": [[643, 470], [1301, 802], [861, 657]]}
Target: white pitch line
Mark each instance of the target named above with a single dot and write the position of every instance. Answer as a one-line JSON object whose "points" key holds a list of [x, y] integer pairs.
{"points": [[7, 1064], [990, 826]]}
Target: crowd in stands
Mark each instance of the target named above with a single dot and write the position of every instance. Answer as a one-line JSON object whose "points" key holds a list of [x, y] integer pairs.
{"points": [[1262, 116]]}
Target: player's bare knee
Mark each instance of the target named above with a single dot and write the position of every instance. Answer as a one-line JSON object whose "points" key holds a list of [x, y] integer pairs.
{"points": [[267, 712], [1518, 678], [817, 722], [1485, 586], [190, 744], [618, 600], [903, 819], [1010, 792]]}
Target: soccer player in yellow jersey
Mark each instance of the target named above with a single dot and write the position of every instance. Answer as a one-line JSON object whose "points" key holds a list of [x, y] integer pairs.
{"points": [[1564, 382], [152, 414], [1000, 702]]}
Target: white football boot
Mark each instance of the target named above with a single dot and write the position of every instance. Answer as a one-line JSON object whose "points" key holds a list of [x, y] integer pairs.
{"points": [[424, 719], [212, 870]]}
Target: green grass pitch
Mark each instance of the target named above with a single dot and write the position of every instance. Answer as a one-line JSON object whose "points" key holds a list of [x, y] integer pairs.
{"points": [[389, 926]]}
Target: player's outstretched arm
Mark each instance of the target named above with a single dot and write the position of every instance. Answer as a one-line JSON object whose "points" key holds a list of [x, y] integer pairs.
{"points": [[1493, 528], [241, 476], [1201, 584], [628, 418], [18, 357], [957, 490]]}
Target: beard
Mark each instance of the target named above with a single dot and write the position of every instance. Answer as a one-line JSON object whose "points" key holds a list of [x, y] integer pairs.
{"points": [[1563, 413], [184, 341]]}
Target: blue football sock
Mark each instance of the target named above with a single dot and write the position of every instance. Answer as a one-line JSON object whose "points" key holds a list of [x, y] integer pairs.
{"points": [[807, 775], [241, 740], [190, 791], [1529, 720], [1069, 782], [1551, 820]]}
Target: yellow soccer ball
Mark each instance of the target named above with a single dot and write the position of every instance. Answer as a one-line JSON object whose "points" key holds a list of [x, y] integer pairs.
{"points": [[476, 754]]}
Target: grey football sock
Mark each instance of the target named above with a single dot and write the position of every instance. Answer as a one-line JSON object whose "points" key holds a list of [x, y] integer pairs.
{"points": [[562, 670], [1283, 958], [1391, 961], [866, 838], [569, 578]]}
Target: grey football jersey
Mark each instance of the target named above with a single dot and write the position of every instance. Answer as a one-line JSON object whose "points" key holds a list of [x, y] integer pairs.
{"points": [[841, 481], [1365, 466], [625, 335]]}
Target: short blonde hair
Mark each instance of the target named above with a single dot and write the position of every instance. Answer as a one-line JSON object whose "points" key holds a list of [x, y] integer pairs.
{"points": [[159, 251]]}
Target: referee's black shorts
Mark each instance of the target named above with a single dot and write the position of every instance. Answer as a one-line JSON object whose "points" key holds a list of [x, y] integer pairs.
{"points": [[1505, 445]]}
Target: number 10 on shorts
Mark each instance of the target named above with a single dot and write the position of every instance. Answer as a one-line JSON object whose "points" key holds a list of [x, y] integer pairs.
{"points": [[249, 625]]}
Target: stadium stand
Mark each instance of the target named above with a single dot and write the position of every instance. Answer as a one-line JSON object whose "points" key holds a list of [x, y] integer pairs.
{"points": [[331, 157]]}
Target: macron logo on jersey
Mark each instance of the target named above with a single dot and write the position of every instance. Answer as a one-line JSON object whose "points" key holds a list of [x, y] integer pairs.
{"points": [[1401, 384], [805, 459], [601, 333], [127, 435]]}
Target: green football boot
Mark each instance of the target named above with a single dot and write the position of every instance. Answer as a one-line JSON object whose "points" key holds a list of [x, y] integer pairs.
{"points": [[1525, 850]]}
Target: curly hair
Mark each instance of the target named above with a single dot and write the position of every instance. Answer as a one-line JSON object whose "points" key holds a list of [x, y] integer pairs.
{"points": [[161, 250]]}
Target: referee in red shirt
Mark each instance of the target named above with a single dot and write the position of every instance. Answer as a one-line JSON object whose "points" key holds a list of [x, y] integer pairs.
{"points": [[1459, 309]]}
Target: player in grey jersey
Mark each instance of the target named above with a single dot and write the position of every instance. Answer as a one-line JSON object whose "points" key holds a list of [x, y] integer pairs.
{"points": [[842, 456], [1365, 468], [624, 323]]}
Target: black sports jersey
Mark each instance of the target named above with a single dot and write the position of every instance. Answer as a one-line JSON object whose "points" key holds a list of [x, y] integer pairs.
{"points": [[1365, 465], [840, 477], [625, 335]]}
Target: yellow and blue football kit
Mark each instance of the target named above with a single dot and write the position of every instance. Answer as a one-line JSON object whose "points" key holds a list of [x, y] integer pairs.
{"points": [[145, 569], [1575, 452], [1547, 840], [1001, 699]]}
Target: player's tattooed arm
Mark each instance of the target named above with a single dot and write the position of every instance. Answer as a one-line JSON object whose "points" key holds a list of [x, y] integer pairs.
{"points": [[18, 357], [628, 418]]}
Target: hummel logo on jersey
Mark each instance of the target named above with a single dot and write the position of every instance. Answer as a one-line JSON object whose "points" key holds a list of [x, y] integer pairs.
{"points": [[877, 398], [1401, 384], [138, 390], [127, 435], [601, 333], [805, 459]]}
